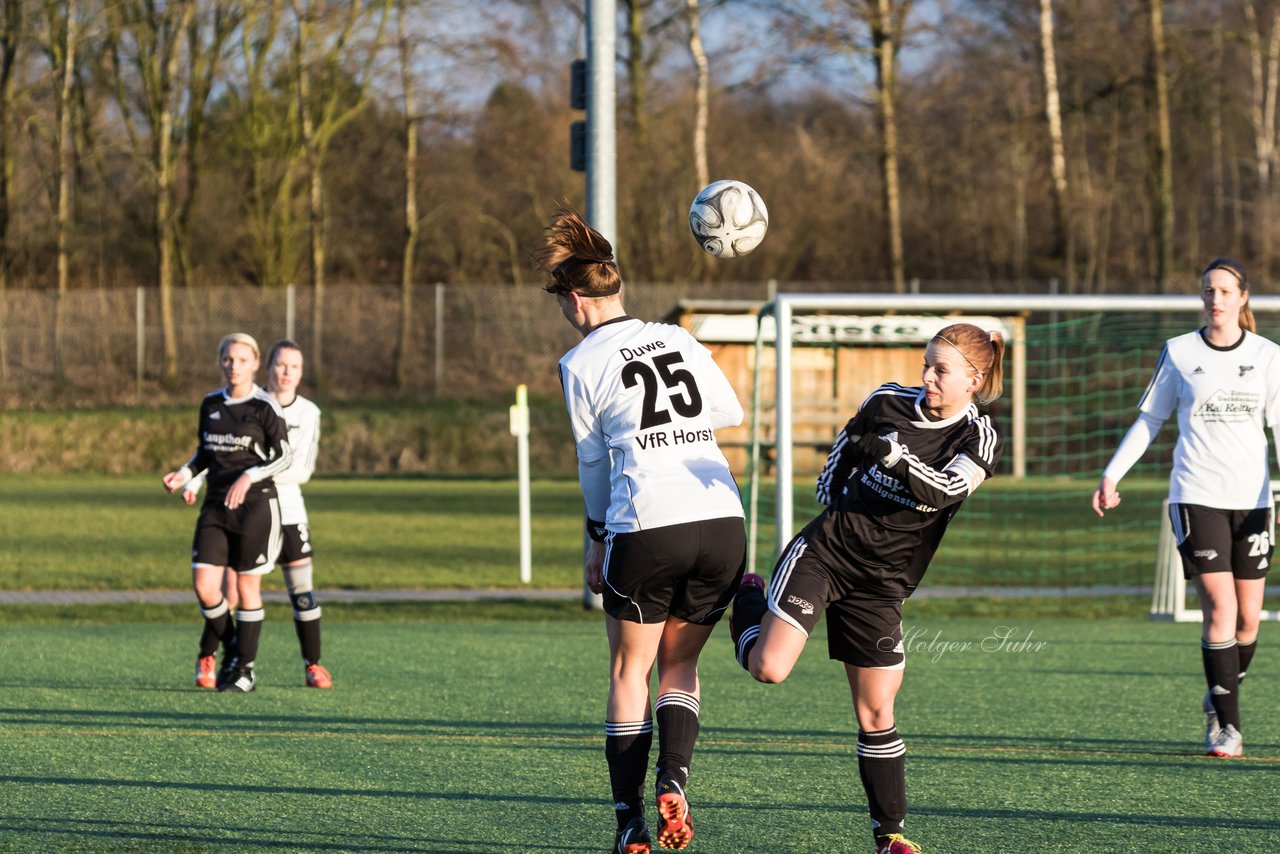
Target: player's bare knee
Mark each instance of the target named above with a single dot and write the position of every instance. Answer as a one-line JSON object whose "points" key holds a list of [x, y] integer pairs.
{"points": [[767, 669], [875, 718]]}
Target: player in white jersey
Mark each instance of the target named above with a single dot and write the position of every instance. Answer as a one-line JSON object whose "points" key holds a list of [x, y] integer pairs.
{"points": [[1223, 381], [896, 476], [284, 374], [663, 513]]}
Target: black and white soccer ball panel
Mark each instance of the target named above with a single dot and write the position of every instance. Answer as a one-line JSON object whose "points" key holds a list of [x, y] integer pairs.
{"points": [[728, 218]]}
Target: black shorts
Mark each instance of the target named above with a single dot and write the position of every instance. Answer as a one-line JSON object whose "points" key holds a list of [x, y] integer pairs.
{"points": [[863, 628], [246, 539], [295, 544], [689, 571], [1212, 540]]}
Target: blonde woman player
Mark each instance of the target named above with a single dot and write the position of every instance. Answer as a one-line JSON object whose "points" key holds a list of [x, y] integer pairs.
{"points": [[664, 516], [1223, 381], [242, 442], [284, 374], [895, 478]]}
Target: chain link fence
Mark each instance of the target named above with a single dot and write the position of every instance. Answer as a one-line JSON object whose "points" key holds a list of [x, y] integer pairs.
{"points": [[105, 347]]}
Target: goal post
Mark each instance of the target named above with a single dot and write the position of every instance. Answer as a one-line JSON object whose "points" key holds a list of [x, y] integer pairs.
{"points": [[1074, 371]]}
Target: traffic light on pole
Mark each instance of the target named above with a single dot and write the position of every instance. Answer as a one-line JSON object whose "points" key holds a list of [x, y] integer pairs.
{"points": [[578, 101]]}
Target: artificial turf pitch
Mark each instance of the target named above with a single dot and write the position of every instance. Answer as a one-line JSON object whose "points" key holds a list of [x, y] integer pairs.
{"points": [[487, 736]]}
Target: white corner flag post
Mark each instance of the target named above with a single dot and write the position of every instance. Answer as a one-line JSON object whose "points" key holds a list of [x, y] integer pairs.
{"points": [[520, 429]]}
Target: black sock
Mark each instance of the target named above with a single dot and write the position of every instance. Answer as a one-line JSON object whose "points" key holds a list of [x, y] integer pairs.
{"points": [[247, 637], [749, 608], [882, 764], [306, 621], [217, 621], [1246, 651], [1222, 672], [626, 747], [677, 716]]}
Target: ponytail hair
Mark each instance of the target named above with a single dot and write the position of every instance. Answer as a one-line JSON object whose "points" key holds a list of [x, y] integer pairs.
{"points": [[1236, 269], [984, 351], [578, 258]]}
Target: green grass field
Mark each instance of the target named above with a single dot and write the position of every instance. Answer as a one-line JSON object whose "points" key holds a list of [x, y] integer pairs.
{"points": [[477, 727], [486, 736], [74, 532], [125, 533]]}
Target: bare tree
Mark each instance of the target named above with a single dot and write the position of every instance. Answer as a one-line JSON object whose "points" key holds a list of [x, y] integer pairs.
{"points": [[148, 40], [62, 38], [700, 97], [268, 135], [11, 38], [1264, 67], [887, 22], [1160, 145], [409, 255], [207, 37], [1064, 232], [321, 42], [637, 70]]}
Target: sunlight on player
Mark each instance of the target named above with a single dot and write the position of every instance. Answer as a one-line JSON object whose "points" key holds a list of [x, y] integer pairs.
{"points": [[664, 515], [1223, 380], [284, 375], [895, 477], [242, 441]]}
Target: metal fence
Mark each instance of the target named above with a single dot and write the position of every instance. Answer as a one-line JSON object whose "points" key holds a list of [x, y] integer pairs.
{"points": [[104, 346], [99, 347]]}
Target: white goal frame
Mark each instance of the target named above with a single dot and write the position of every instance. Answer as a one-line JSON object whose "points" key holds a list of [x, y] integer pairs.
{"points": [[1169, 591]]}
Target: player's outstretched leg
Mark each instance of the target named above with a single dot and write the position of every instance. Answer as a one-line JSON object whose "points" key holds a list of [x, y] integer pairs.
{"points": [[749, 608], [306, 622], [633, 838]]}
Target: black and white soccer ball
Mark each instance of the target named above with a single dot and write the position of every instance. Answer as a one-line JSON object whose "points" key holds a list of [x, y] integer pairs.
{"points": [[728, 219]]}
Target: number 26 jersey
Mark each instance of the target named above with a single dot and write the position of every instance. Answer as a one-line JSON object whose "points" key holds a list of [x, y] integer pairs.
{"points": [[644, 400]]}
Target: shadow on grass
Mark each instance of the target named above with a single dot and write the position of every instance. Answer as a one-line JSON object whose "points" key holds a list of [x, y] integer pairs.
{"points": [[114, 833], [1139, 819], [774, 738], [311, 791]]}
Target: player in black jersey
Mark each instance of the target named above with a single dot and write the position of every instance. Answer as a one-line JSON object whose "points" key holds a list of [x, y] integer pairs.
{"points": [[664, 515], [242, 441], [894, 479]]}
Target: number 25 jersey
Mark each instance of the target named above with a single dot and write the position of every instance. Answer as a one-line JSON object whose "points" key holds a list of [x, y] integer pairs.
{"points": [[644, 400]]}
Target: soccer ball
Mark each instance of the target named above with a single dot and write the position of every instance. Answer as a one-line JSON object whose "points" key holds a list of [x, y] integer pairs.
{"points": [[728, 219]]}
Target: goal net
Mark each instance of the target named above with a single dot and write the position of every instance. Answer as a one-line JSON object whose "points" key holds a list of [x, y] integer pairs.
{"points": [[1075, 368]]}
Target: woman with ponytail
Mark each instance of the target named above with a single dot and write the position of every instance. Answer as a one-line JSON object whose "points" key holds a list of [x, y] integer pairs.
{"points": [[1223, 380], [894, 479], [663, 513]]}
